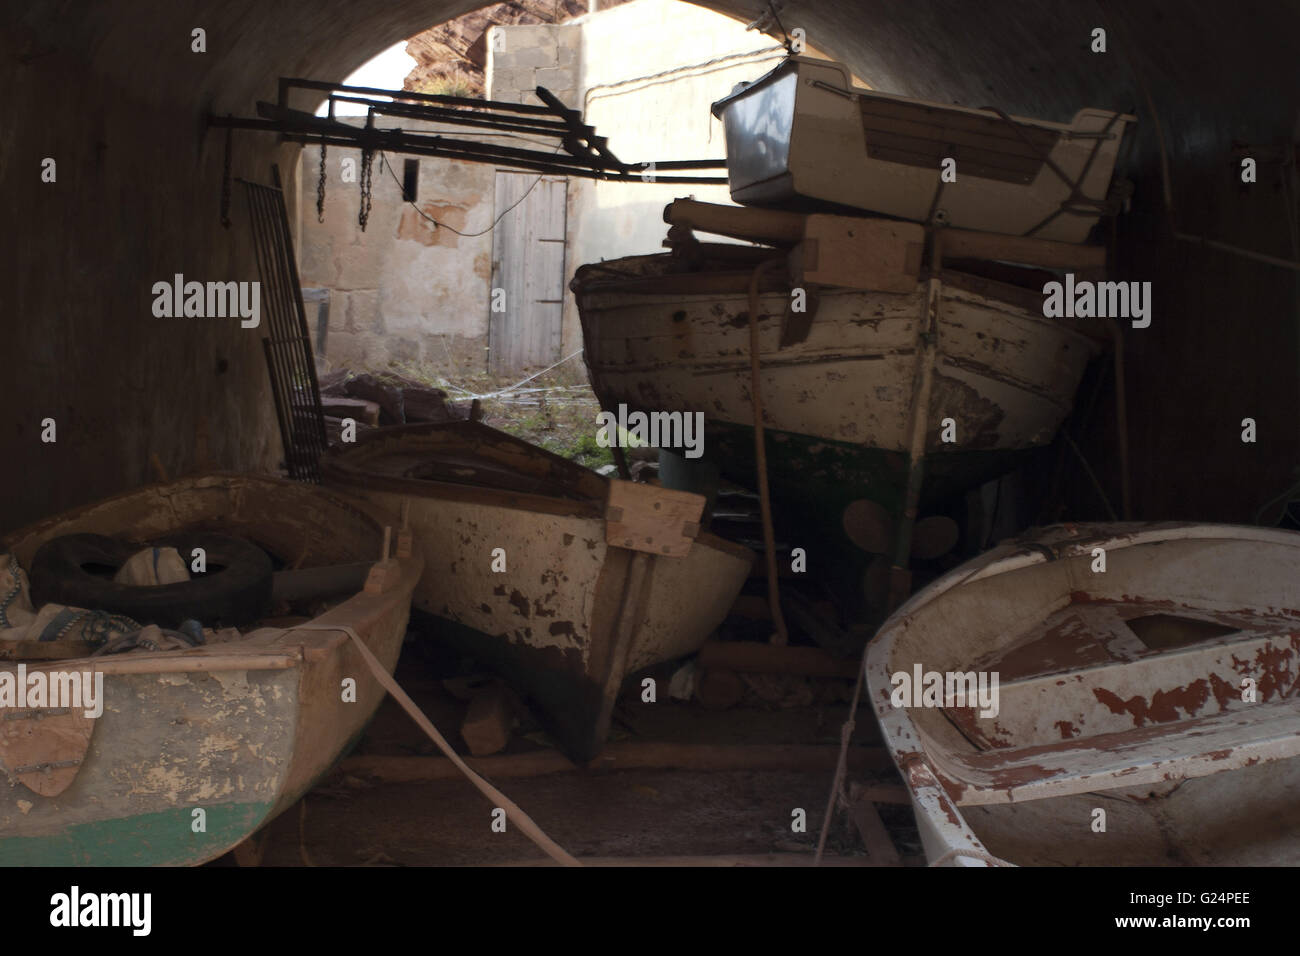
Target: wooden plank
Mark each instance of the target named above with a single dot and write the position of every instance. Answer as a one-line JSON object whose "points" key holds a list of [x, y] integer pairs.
{"points": [[624, 755], [754, 658], [648, 518], [854, 253], [355, 408], [966, 243], [875, 837], [772, 226]]}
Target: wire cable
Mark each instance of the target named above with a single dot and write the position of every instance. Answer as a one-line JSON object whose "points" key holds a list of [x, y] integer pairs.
{"points": [[442, 225]]}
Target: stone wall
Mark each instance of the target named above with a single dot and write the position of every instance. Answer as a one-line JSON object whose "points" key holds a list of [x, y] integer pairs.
{"points": [[403, 292], [522, 58]]}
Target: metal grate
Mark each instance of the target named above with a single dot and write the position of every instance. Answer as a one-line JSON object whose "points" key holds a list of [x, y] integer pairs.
{"points": [[287, 344]]}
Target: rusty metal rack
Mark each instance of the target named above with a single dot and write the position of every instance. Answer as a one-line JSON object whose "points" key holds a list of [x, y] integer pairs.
{"points": [[578, 150]]}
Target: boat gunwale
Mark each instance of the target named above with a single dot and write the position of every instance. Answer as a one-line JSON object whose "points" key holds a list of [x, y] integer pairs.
{"points": [[908, 746], [1013, 301], [336, 468], [281, 652]]}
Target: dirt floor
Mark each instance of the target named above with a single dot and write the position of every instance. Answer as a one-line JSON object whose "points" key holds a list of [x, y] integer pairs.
{"points": [[349, 820]]}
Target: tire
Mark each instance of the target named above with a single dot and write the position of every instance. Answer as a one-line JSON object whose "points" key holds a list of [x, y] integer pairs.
{"points": [[234, 594]]}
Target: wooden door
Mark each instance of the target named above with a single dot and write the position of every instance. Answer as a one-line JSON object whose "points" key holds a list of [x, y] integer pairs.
{"points": [[526, 301]]}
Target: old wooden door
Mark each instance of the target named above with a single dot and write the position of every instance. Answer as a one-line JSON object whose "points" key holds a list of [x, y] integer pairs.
{"points": [[527, 296]]}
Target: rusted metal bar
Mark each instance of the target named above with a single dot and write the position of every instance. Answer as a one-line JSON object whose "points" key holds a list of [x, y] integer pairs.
{"points": [[398, 142], [287, 84]]}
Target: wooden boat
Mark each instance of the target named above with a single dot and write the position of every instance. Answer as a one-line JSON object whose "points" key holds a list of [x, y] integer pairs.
{"points": [[239, 730], [837, 405], [1160, 690], [804, 132], [579, 601]]}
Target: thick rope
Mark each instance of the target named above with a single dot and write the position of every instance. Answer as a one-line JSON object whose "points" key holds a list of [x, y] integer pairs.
{"points": [[782, 636], [513, 811]]}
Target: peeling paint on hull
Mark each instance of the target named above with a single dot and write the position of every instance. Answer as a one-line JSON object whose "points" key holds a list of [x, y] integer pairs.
{"points": [[240, 729], [1120, 690], [1004, 374], [553, 623]]}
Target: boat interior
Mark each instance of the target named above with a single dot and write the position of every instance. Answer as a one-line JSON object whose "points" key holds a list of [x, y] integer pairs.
{"points": [[312, 539], [1109, 698]]}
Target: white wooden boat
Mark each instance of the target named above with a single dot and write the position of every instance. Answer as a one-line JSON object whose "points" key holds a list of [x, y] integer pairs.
{"points": [[804, 132], [1125, 698], [238, 730], [837, 406], [530, 566]]}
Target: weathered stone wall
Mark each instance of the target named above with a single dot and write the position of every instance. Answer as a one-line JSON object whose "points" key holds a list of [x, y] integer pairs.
{"points": [[522, 58], [403, 292]]}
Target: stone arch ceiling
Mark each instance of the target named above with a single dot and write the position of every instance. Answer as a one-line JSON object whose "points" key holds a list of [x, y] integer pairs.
{"points": [[112, 89]]}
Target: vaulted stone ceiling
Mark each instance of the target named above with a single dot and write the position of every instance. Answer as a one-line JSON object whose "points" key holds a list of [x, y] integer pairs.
{"points": [[114, 92]]}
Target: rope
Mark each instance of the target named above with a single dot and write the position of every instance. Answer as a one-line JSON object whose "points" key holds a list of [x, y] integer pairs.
{"points": [[513, 812], [760, 454], [511, 388], [841, 762]]}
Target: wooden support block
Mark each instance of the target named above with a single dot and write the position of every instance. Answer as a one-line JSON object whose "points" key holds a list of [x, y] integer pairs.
{"points": [[753, 658], [358, 409], [855, 253], [966, 243], [648, 518], [487, 724]]}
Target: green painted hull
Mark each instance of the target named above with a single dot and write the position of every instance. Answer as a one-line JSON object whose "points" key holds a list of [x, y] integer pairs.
{"points": [[164, 838], [812, 481]]}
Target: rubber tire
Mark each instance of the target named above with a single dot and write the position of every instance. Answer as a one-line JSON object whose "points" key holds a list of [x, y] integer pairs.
{"points": [[234, 596]]}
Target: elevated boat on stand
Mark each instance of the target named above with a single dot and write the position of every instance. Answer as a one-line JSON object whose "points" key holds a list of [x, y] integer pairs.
{"points": [[896, 363], [955, 368]]}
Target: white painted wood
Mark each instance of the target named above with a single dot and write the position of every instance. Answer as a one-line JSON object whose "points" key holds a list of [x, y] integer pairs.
{"points": [[1006, 375], [528, 263], [1089, 715]]}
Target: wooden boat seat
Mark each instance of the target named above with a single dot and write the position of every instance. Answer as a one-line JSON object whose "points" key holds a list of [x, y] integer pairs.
{"points": [[1152, 754]]}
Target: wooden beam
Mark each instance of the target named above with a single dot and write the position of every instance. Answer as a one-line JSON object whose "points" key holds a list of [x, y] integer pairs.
{"points": [[880, 848], [772, 226], [968, 244], [754, 658], [814, 758]]}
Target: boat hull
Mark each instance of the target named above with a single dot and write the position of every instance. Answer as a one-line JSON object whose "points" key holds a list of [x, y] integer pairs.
{"points": [[1145, 672], [559, 612], [837, 406], [238, 730]]}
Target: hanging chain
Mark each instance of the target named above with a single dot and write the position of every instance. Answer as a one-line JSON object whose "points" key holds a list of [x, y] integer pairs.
{"points": [[363, 215], [225, 182], [320, 185]]}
